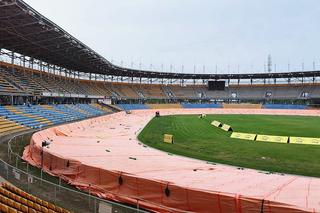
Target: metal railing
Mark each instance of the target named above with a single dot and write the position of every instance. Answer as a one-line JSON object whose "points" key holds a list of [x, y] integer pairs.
{"points": [[52, 189]]}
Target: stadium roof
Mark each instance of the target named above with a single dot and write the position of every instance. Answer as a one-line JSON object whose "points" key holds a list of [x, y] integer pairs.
{"points": [[23, 30]]}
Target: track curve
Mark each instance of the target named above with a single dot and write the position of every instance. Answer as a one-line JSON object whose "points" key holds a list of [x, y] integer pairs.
{"points": [[104, 154]]}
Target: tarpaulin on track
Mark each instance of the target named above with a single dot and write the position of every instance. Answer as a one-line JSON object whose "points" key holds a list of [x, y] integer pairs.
{"points": [[103, 154]]}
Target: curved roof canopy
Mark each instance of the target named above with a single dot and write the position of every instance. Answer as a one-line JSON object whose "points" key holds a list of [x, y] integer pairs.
{"points": [[25, 31]]}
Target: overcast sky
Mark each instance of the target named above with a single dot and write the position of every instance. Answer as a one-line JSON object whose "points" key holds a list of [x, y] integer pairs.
{"points": [[227, 34]]}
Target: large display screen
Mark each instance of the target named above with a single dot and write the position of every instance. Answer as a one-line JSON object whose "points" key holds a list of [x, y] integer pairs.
{"points": [[216, 85]]}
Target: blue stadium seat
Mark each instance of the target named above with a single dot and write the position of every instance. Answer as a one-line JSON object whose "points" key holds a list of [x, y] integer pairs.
{"points": [[196, 106], [127, 107]]}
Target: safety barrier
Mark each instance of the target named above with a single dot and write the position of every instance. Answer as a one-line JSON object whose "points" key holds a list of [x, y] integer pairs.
{"points": [[244, 136], [304, 140], [272, 138], [35, 181], [284, 106], [241, 106], [199, 106], [127, 107], [266, 138]]}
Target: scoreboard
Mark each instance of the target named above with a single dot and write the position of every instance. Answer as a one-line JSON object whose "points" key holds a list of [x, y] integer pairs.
{"points": [[216, 85]]}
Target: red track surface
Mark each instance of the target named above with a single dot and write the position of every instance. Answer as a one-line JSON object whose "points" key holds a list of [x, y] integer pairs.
{"points": [[102, 150]]}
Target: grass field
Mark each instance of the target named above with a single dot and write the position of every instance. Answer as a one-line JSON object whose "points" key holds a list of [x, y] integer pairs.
{"points": [[196, 138]]}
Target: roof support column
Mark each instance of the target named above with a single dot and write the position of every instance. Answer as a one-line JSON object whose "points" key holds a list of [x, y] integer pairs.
{"points": [[40, 62], [32, 61], [54, 72], [60, 70], [12, 61], [24, 64]]}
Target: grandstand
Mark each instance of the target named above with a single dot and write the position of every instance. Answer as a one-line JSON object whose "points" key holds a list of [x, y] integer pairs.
{"points": [[39, 116], [50, 82], [14, 200], [31, 83]]}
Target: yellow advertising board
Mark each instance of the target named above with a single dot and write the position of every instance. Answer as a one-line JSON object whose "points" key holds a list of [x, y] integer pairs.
{"points": [[303, 140], [243, 136], [216, 123], [168, 138], [226, 127], [272, 138]]}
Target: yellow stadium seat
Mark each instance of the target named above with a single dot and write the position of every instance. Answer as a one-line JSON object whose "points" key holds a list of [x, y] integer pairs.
{"points": [[44, 209], [32, 210], [4, 199], [29, 197], [39, 201], [18, 198], [24, 201], [36, 206], [17, 205], [10, 202], [12, 210], [4, 208], [23, 194], [59, 209], [33, 198], [6, 193], [52, 206], [30, 203], [11, 195], [24, 208], [45, 204]]}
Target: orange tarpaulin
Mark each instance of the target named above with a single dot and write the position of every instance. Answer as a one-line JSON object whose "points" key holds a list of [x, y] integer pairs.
{"points": [[104, 155]]}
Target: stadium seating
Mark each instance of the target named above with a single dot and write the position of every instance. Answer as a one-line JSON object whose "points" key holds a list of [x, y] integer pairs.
{"points": [[25, 81], [164, 106], [6, 87], [14, 200], [284, 106], [197, 106], [242, 106], [39, 116], [104, 109], [182, 92], [7, 126], [127, 107]]}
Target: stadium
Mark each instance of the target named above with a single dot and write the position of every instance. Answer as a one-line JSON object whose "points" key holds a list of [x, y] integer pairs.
{"points": [[79, 133]]}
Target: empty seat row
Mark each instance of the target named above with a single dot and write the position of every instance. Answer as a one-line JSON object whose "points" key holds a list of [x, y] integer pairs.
{"points": [[22, 201], [36, 116]]}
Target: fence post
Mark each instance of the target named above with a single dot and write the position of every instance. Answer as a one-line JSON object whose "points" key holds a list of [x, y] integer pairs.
{"points": [[28, 177], [27, 168], [138, 208], [7, 172], [17, 161], [9, 149], [55, 195], [89, 194], [41, 175], [59, 183]]}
